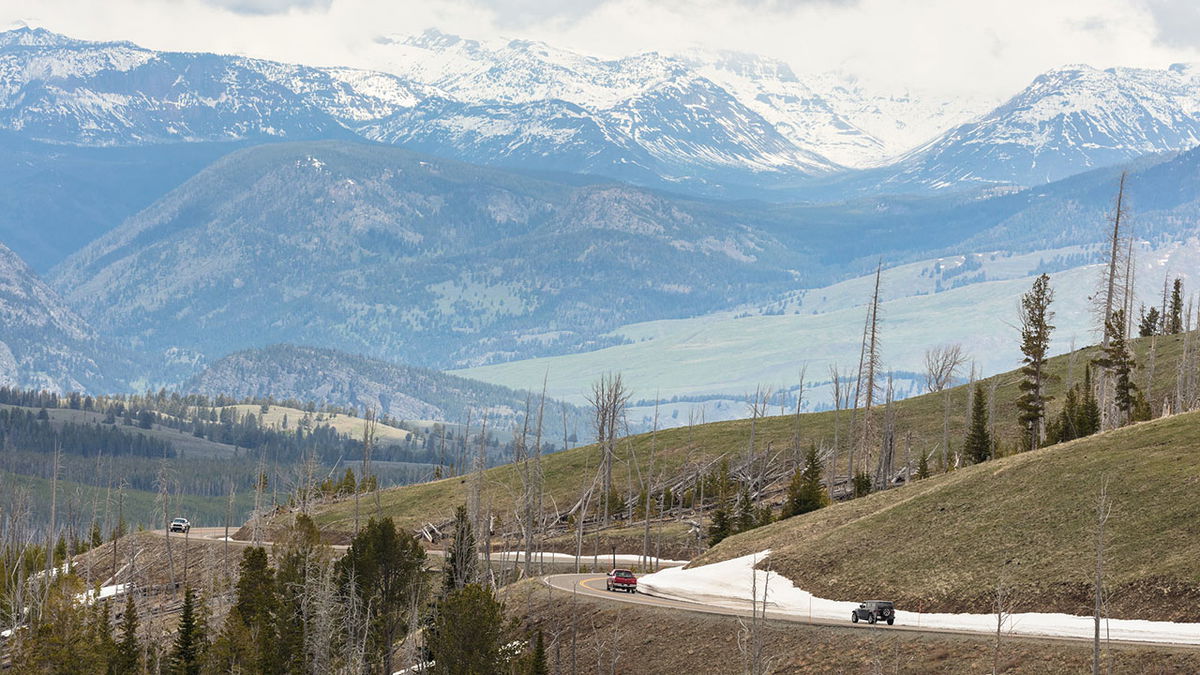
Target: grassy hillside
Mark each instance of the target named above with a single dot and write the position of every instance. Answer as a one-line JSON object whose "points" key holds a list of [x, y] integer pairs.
{"points": [[1028, 520], [685, 450], [184, 443], [341, 423]]}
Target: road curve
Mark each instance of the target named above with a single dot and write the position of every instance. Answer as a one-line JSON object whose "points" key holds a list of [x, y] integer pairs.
{"points": [[592, 585]]}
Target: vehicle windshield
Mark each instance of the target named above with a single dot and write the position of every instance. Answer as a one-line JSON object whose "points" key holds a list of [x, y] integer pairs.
{"points": [[624, 573], [179, 520]]}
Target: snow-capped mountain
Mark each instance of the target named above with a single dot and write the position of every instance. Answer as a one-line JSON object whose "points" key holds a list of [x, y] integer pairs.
{"points": [[673, 128], [826, 114], [56, 89], [719, 124], [1068, 120]]}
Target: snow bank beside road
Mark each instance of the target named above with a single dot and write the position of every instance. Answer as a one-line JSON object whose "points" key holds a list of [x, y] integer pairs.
{"points": [[729, 584]]}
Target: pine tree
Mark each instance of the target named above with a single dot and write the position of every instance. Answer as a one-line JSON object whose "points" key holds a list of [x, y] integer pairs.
{"points": [[1150, 322], [805, 492], [1066, 427], [861, 484], [1088, 421], [1035, 316], [978, 444], [383, 568], [1117, 359], [720, 527], [468, 633], [1174, 317], [185, 656], [537, 661], [747, 518], [461, 559], [923, 467], [128, 659], [106, 646]]}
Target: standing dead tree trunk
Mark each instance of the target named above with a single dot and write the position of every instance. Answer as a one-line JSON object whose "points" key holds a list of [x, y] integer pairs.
{"points": [[608, 399], [1107, 300], [868, 369], [887, 446], [941, 367], [1103, 512]]}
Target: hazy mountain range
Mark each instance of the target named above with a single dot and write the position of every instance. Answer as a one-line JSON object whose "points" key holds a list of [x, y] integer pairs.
{"points": [[187, 206]]}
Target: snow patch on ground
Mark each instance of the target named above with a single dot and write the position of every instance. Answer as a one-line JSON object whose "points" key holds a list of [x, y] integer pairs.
{"points": [[105, 592], [733, 583]]}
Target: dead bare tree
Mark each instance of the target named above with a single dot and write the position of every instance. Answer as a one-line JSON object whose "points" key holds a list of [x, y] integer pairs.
{"points": [[1113, 267], [869, 364], [1104, 508], [887, 446], [163, 484], [797, 453], [647, 487], [835, 379], [608, 400], [751, 637], [941, 367]]}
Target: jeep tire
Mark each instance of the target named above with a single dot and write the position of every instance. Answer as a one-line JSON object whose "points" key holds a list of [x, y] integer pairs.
{"points": [[891, 619], [853, 617], [871, 618]]}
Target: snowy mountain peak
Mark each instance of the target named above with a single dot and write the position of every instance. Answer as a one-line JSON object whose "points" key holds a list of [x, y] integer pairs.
{"points": [[26, 36]]}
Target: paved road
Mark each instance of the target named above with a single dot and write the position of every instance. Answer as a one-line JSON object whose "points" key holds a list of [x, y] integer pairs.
{"points": [[592, 585]]}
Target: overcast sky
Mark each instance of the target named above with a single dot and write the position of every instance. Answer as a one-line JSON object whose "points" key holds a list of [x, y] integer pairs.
{"points": [[989, 47]]}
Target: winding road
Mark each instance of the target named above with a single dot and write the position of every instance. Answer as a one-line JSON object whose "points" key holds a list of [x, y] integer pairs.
{"points": [[592, 585]]}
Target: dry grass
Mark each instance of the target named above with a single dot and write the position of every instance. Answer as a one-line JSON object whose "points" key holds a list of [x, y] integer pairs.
{"points": [[675, 451]]}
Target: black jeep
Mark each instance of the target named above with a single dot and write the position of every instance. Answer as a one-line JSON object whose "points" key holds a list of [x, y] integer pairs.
{"points": [[875, 610]]}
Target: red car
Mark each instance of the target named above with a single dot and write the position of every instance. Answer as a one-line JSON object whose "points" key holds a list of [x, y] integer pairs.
{"points": [[621, 580]]}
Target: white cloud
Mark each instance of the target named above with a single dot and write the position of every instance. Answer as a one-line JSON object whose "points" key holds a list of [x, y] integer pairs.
{"points": [[951, 46]]}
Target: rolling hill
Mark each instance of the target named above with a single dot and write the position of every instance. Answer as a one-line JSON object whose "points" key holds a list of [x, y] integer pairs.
{"points": [[1027, 521], [677, 456]]}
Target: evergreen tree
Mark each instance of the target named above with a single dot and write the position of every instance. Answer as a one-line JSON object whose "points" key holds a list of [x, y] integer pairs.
{"points": [[248, 639], [1150, 323], [747, 517], [1035, 316], [298, 553], [922, 466], [1118, 360], [189, 640], [1174, 317], [383, 568], [461, 559], [468, 634], [1066, 426], [60, 640], [720, 527], [978, 445], [861, 484], [1088, 421], [106, 646], [128, 658], [537, 661], [805, 492]]}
